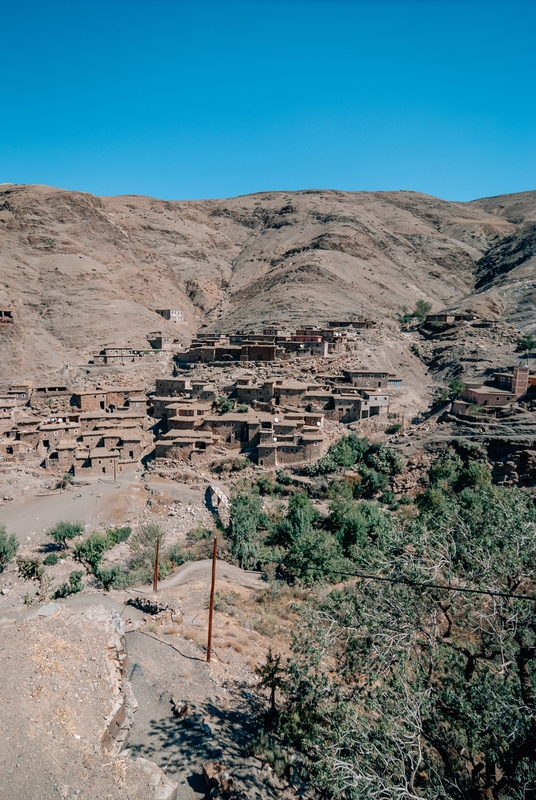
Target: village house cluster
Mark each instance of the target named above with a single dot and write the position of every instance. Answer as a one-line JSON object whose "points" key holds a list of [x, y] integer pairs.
{"points": [[272, 344], [275, 422], [97, 433]]}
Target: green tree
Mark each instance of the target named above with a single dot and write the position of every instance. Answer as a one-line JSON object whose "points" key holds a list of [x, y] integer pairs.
{"points": [[64, 531], [243, 531], [422, 308], [526, 343], [395, 691], [8, 547]]}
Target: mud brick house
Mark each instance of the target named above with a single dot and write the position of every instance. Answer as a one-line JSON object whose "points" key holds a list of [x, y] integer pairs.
{"points": [[517, 382], [288, 392], [185, 445], [172, 387], [53, 432], [160, 341], [7, 408], [258, 351], [488, 396], [90, 401], [50, 391], [172, 314], [368, 379], [294, 439], [20, 392], [98, 462], [237, 430], [337, 339], [203, 391], [305, 346], [320, 399], [186, 414], [353, 405]]}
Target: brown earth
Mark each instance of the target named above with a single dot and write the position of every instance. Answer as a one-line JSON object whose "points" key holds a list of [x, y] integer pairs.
{"points": [[81, 271]]}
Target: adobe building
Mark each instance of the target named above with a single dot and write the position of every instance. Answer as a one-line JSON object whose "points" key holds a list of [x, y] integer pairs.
{"points": [[517, 382], [172, 387], [488, 396], [172, 314]]}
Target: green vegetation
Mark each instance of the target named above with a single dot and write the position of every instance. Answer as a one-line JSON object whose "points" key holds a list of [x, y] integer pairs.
{"points": [[454, 390], [224, 405], [90, 553], [394, 428], [375, 463], [64, 531], [526, 343], [422, 308], [51, 560], [298, 543], [74, 585], [8, 547], [395, 690]]}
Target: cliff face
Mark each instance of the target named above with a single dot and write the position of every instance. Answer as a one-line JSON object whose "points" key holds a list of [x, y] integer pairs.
{"points": [[80, 271]]}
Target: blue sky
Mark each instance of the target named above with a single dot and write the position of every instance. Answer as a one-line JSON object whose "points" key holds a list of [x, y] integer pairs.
{"points": [[214, 98]]}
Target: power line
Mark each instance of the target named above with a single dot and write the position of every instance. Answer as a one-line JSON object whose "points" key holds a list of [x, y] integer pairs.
{"points": [[448, 588]]}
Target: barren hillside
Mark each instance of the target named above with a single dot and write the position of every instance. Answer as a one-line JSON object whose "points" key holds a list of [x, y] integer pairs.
{"points": [[80, 271]]}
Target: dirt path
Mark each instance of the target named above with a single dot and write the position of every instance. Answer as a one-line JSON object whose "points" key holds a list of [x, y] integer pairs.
{"points": [[30, 517]]}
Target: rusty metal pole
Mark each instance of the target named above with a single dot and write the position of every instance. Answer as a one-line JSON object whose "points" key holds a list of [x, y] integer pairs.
{"points": [[211, 605], [155, 576]]}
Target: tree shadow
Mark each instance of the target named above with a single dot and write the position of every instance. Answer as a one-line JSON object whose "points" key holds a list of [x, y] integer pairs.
{"points": [[181, 747]]}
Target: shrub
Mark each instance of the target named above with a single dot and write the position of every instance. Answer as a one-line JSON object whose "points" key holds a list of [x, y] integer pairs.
{"points": [[112, 577], [176, 555], [51, 560], [64, 531], [30, 569], [225, 405], [74, 586], [8, 547], [526, 343], [243, 408], [283, 477], [394, 428]]}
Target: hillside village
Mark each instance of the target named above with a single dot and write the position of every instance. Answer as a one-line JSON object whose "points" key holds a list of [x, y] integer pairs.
{"points": [[162, 417]]}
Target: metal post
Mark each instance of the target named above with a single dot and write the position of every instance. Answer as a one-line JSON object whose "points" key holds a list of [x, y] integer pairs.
{"points": [[211, 605], [155, 576]]}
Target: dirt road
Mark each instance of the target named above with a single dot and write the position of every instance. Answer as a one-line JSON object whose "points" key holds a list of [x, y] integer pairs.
{"points": [[30, 517]]}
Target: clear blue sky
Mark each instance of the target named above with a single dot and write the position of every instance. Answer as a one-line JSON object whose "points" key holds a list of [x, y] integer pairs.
{"points": [[189, 99]]}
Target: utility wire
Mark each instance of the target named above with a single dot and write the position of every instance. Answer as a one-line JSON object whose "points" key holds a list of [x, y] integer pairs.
{"points": [[448, 588]]}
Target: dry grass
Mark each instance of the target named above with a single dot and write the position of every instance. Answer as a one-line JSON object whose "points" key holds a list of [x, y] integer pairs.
{"points": [[172, 629]]}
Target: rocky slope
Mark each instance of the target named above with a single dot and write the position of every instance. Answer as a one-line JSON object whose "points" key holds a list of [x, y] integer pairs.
{"points": [[81, 271]]}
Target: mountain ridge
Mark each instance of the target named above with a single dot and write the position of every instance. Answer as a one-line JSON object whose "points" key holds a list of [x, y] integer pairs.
{"points": [[81, 271]]}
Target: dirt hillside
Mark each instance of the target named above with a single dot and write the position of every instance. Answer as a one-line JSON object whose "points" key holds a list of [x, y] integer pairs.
{"points": [[80, 271]]}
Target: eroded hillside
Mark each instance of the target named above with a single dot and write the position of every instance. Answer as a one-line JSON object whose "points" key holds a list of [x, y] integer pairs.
{"points": [[80, 271]]}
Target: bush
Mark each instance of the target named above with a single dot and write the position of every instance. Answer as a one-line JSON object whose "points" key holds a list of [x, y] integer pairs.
{"points": [[112, 577], [51, 560], [394, 428], [74, 586], [225, 405], [176, 555], [526, 343], [243, 408], [283, 477], [63, 531], [8, 547], [30, 569], [143, 547]]}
